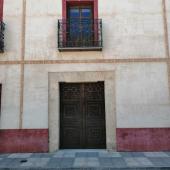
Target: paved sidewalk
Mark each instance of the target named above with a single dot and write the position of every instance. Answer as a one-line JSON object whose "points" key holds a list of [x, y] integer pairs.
{"points": [[87, 159]]}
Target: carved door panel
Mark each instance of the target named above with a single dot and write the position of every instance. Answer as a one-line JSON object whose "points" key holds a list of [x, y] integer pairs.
{"points": [[70, 116], [82, 116], [94, 115]]}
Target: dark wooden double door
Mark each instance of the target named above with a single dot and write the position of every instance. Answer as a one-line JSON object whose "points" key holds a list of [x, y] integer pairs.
{"points": [[82, 116]]}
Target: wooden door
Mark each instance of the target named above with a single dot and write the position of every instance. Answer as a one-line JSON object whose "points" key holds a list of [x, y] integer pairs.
{"points": [[82, 116]]}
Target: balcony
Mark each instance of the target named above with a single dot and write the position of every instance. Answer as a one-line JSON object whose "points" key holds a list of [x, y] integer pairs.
{"points": [[2, 28], [80, 35]]}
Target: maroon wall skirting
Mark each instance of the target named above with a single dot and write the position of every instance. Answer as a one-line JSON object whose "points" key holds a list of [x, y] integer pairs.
{"points": [[128, 139], [143, 139], [25, 140]]}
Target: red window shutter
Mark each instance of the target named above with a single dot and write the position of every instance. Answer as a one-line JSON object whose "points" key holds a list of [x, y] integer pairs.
{"points": [[1, 9]]}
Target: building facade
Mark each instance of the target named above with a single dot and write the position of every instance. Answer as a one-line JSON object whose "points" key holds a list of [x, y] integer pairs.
{"points": [[85, 74]]}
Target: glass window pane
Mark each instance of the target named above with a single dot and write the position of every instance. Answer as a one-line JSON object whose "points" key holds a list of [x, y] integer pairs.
{"points": [[74, 13], [86, 12]]}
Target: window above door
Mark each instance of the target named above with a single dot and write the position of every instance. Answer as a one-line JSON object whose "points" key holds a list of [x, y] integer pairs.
{"points": [[80, 28]]}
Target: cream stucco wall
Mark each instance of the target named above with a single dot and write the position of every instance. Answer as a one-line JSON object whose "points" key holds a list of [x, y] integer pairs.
{"points": [[131, 26], [13, 20], [131, 29], [142, 95], [168, 17], [10, 80]]}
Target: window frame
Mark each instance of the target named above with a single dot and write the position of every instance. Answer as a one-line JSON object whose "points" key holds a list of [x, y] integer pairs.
{"points": [[79, 35], [78, 2], [1, 9], [67, 3]]}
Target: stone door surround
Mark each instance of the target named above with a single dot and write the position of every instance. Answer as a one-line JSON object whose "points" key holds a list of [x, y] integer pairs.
{"points": [[54, 104]]}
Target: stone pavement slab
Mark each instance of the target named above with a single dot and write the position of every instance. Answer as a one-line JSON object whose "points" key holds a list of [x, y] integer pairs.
{"points": [[86, 160], [26, 155], [156, 154]]}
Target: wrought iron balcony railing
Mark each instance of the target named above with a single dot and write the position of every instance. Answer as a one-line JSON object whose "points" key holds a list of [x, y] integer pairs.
{"points": [[2, 28], [80, 34]]}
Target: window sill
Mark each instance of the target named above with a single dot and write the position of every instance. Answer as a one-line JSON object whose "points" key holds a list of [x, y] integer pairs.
{"points": [[80, 49]]}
